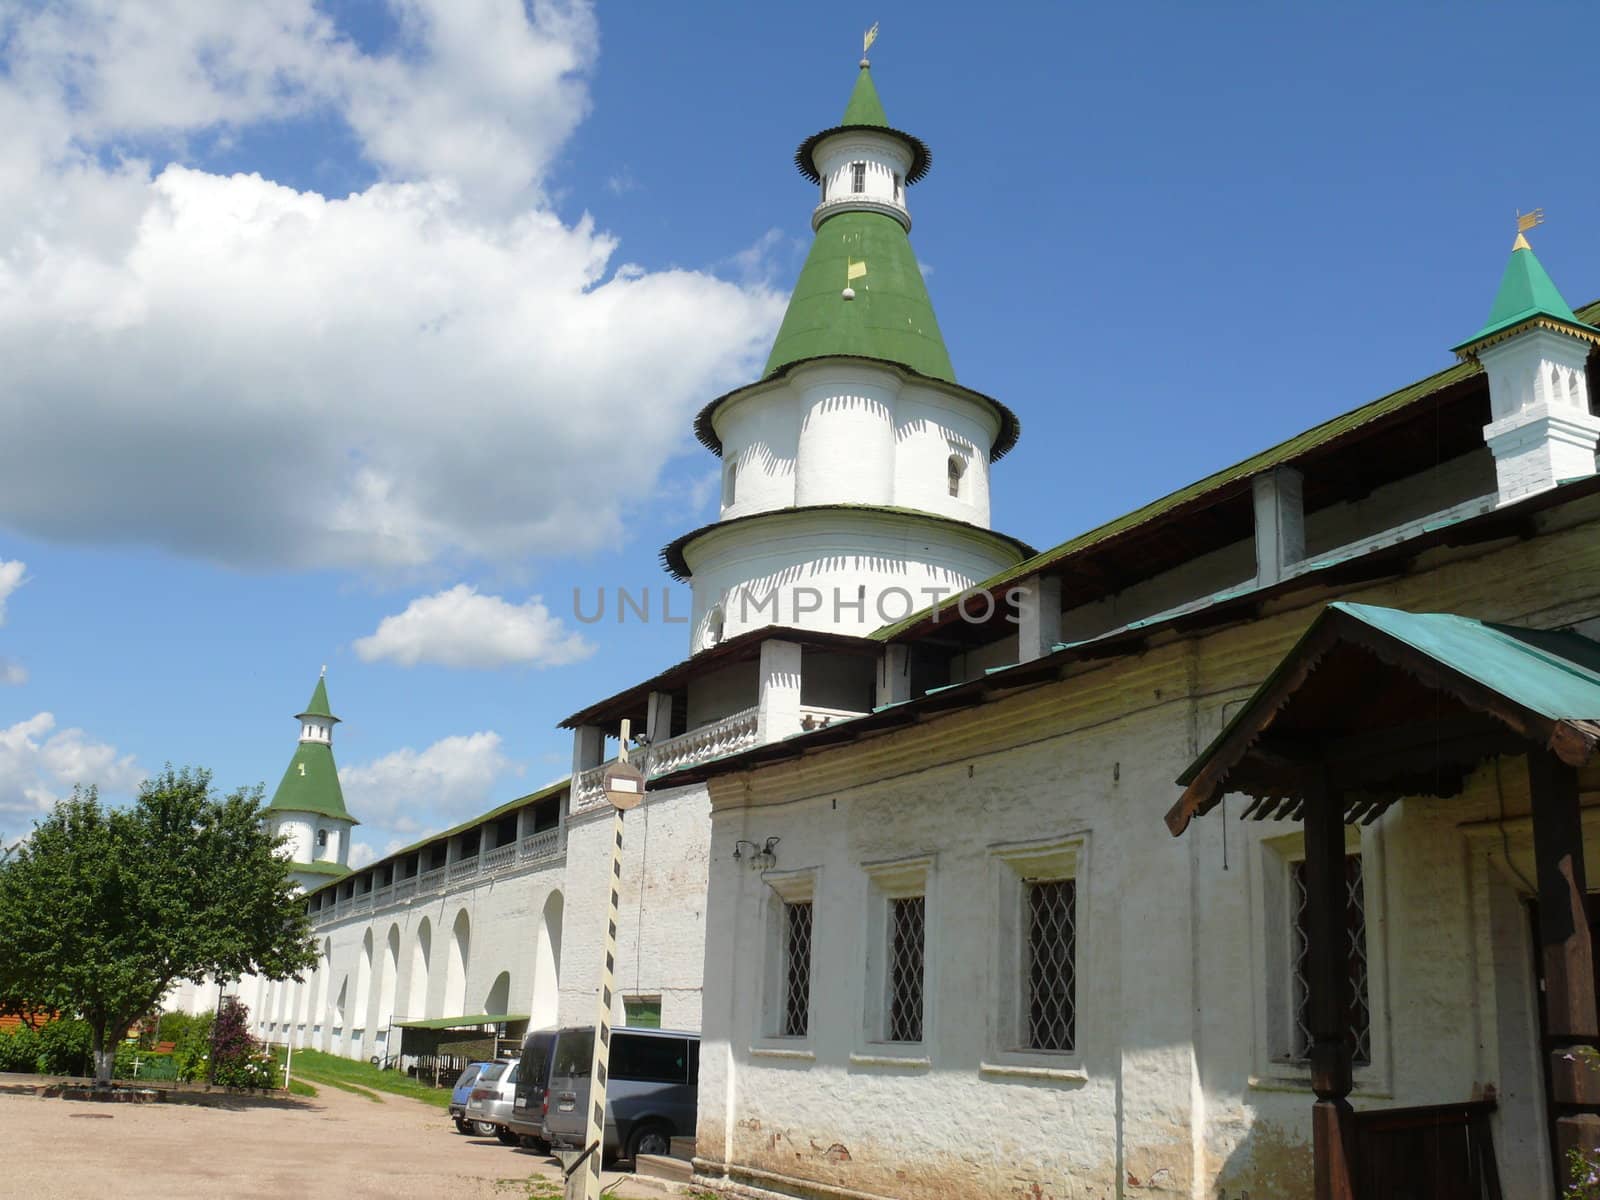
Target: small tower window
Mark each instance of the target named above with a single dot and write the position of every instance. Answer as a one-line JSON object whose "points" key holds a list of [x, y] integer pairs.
{"points": [[955, 468], [322, 839], [898, 185], [824, 189], [730, 483], [714, 624], [858, 177]]}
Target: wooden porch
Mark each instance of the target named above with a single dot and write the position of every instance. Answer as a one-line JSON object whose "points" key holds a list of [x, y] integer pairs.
{"points": [[1373, 705]]}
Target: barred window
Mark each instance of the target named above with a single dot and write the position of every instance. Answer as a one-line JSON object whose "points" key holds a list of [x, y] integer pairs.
{"points": [[858, 177], [1359, 1013], [796, 969], [1051, 971], [907, 919]]}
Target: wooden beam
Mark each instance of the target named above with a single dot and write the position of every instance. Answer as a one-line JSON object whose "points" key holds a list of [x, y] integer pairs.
{"points": [[1572, 1022], [1328, 996]]}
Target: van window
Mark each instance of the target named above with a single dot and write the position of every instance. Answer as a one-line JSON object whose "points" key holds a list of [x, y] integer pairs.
{"points": [[468, 1075], [575, 1053], [511, 1076], [650, 1059], [536, 1054], [491, 1073]]}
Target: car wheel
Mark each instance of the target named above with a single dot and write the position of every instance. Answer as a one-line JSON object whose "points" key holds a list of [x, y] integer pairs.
{"points": [[462, 1126], [649, 1139], [484, 1128]]}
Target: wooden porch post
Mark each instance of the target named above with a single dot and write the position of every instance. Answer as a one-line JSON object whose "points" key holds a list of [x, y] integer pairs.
{"points": [[1568, 955], [1328, 999]]}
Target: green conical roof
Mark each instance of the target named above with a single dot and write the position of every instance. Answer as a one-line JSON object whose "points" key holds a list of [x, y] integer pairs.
{"points": [[864, 108], [311, 784], [890, 318], [1526, 293], [319, 703]]}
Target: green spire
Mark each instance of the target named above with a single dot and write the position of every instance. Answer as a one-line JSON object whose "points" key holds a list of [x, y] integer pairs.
{"points": [[311, 784], [890, 317], [861, 292], [865, 108], [319, 702], [1526, 293]]}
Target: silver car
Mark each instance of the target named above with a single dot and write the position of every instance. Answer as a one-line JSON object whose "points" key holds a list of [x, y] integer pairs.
{"points": [[490, 1104]]}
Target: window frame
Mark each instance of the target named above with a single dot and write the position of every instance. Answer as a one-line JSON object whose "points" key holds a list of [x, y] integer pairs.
{"points": [[858, 179], [898, 879], [1012, 865], [784, 888], [1272, 960]]}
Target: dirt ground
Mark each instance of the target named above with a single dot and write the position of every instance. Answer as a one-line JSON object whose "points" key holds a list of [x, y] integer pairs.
{"points": [[337, 1144]]}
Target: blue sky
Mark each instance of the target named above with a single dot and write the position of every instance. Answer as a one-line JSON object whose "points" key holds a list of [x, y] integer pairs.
{"points": [[346, 312]]}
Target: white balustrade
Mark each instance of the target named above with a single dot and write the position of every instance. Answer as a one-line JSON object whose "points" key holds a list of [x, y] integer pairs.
{"points": [[727, 736], [814, 716], [463, 868], [382, 897], [363, 903], [405, 889], [430, 881], [500, 857], [547, 843]]}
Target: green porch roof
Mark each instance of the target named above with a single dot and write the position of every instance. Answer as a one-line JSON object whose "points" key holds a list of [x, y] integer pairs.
{"points": [[1526, 293], [1487, 688], [890, 318], [311, 784], [463, 1022]]}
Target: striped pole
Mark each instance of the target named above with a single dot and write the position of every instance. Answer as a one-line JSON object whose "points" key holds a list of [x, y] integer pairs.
{"points": [[594, 1141]]}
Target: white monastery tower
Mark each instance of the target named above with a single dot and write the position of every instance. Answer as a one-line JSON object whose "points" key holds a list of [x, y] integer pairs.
{"points": [[308, 806], [855, 479]]}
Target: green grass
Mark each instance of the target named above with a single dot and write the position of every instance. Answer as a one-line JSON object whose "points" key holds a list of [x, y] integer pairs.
{"points": [[299, 1087], [362, 1078]]}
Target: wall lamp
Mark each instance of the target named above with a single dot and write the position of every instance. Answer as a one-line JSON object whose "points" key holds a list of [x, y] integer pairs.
{"points": [[764, 855]]}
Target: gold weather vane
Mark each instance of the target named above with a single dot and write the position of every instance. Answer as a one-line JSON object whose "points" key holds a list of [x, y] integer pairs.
{"points": [[1525, 222], [868, 38]]}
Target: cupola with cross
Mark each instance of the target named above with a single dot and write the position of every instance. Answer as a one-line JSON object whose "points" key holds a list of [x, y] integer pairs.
{"points": [[308, 808], [855, 476]]}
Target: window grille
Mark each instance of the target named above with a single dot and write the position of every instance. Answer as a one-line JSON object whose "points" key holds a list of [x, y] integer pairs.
{"points": [[796, 969], [322, 837], [1355, 952], [858, 177], [1052, 964], [906, 922]]}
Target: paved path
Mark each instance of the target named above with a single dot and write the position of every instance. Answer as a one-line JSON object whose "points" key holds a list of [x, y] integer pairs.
{"points": [[337, 1144]]}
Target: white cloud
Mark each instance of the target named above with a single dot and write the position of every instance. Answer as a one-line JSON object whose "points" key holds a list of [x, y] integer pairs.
{"points": [[10, 580], [410, 792], [432, 368], [39, 764], [461, 628], [12, 674], [361, 854]]}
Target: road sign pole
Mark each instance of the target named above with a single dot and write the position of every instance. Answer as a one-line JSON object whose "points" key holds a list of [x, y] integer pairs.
{"points": [[624, 787]]}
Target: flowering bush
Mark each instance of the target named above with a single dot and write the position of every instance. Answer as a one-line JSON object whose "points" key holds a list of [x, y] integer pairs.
{"points": [[237, 1059], [1584, 1173]]}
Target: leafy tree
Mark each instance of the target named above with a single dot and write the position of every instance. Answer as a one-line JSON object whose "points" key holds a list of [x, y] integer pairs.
{"points": [[104, 909]]}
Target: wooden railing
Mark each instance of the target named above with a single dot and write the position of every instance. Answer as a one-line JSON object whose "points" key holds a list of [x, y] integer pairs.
{"points": [[1440, 1152]]}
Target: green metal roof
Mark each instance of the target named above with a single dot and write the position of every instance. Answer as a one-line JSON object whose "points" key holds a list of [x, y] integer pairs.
{"points": [[1550, 672], [890, 318], [1284, 452], [321, 868], [543, 793], [319, 703], [864, 108], [311, 784], [463, 1022], [1526, 293]]}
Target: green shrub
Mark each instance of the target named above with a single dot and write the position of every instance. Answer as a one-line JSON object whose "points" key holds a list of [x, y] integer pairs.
{"points": [[64, 1048], [19, 1050]]}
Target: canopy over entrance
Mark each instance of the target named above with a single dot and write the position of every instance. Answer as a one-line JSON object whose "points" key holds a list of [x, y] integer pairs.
{"points": [[1373, 704], [1376, 704]]}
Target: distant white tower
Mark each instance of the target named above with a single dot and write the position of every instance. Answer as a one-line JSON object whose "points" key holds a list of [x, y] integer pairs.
{"points": [[308, 806], [855, 478]]}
